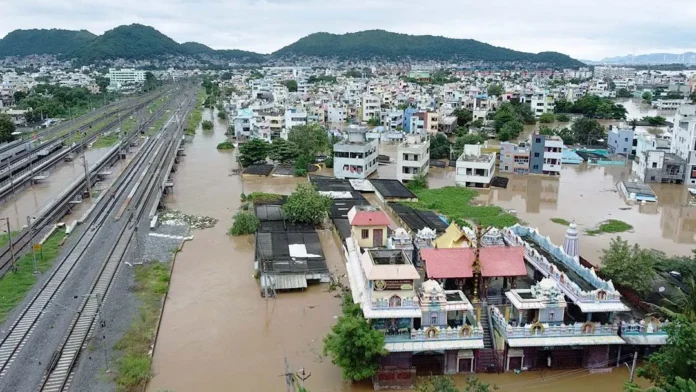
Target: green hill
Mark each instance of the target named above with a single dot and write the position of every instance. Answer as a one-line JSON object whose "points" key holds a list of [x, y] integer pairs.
{"points": [[35, 41], [196, 48], [383, 44], [129, 42]]}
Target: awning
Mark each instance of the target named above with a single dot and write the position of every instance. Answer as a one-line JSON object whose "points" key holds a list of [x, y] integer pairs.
{"points": [[435, 345], [284, 282], [639, 339], [565, 341]]}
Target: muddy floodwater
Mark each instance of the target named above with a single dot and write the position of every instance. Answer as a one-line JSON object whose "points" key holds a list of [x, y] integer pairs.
{"points": [[218, 334]]}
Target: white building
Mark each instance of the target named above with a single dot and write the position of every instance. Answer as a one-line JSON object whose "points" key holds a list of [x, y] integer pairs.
{"points": [[542, 102], [669, 104], [601, 72], [413, 157], [244, 122], [474, 168], [122, 77], [553, 155], [393, 120], [355, 157], [684, 139], [370, 107], [336, 114], [294, 117]]}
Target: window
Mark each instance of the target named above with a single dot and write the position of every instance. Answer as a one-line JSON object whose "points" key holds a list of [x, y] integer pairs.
{"points": [[625, 139], [538, 140], [536, 155], [433, 318], [365, 234], [536, 167], [551, 316], [654, 165]]}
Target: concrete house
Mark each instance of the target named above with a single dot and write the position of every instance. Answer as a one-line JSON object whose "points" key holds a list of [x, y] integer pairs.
{"points": [[355, 157], [621, 141], [474, 168], [368, 226], [413, 157]]}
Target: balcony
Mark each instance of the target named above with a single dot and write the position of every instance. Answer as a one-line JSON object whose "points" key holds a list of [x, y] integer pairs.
{"points": [[649, 331], [434, 333]]}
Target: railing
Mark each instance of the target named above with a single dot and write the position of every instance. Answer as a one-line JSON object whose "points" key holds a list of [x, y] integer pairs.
{"points": [[434, 333], [544, 331], [651, 327], [404, 303]]}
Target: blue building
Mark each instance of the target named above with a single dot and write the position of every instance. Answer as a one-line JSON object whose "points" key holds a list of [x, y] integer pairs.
{"points": [[621, 141], [407, 118]]}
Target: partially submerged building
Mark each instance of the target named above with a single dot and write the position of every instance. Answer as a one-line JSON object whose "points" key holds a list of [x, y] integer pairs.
{"points": [[413, 157], [474, 168], [355, 157]]}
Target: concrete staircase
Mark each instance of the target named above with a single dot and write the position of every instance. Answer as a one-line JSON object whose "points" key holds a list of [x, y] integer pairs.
{"points": [[486, 360]]}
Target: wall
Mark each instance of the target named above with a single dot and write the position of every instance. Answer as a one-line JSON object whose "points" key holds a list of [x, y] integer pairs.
{"points": [[537, 148], [368, 242]]}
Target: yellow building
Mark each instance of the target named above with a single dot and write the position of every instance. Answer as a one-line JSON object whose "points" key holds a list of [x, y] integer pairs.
{"points": [[368, 225]]}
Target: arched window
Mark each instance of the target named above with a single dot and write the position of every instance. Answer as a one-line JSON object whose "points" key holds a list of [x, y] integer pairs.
{"points": [[394, 301], [433, 318]]}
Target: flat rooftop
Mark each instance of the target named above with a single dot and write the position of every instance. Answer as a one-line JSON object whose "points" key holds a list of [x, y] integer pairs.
{"points": [[476, 158], [638, 188], [392, 189], [389, 257]]}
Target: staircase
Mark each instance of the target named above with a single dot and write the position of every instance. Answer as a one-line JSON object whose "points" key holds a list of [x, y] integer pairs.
{"points": [[486, 360]]}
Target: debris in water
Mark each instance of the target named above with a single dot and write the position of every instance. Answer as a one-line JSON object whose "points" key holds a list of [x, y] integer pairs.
{"points": [[174, 217]]}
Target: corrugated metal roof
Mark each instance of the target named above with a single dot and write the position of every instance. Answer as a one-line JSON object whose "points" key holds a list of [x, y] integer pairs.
{"points": [[284, 282], [575, 340]]}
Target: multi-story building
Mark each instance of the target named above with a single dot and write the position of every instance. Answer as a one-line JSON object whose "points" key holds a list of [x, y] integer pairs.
{"points": [[244, 122], [370, 107], [514, 158], [474, 168], [601, 72], [546, 154], [621, 141], [413, 157], [669, 104], [542, 102], [122, 77], [684, 139], [657, 165], [295, 117], [392, 120], [336, 115], [355, 157]]}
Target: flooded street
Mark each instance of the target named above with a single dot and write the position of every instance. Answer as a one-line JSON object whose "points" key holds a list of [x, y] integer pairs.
{"points": [[31, 199], [219, 334]]}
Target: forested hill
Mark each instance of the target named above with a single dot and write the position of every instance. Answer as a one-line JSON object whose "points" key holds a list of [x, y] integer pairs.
{"points": [[383, 44], [35, 41]]}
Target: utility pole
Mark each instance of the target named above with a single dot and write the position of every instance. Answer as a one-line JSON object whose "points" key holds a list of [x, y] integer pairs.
{"points": [[87, 179], [633, 366], [9, 238], [31, 242]]}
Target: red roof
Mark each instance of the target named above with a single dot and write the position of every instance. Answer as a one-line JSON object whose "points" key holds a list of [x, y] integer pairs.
{"points": [[496, 261], [370, 218]]}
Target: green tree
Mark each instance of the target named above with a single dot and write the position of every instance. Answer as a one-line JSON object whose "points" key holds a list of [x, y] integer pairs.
{"points": [[495, 89], [225, 76], [151, 82], [647, 96], [654, 120], [587, 130], [253, 151], [102, 82], [374, 121], [283, 151], [301, 164], [306, 205], [291, 85], [19, 96], [510, 130], [353, 344], [222, 115], [478, 123], [311, 139], [682, 385], [611, 85], [562, 118], [7, 127], [207, 125], [546, 131], [461, 141], [439, 147], [419, 181], [464, 116], [682, 302], [244, 223], [623, 93], [676, 358], [567, 136], [547, 118], [628, 266]]}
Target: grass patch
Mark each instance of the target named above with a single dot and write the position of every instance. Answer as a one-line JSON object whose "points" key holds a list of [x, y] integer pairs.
{"points": [[105, 141], [261, 197], [560, 221], [5, 239], [15, 285], [226, 145], [455, 203], [611, 226], [133, 368], [196, 114]]}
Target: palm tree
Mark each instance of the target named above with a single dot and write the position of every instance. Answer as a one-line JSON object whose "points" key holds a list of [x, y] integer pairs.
{"points": [[682, 302]]}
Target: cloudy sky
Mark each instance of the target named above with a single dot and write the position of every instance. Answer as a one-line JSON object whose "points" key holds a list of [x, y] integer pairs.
{"points": [[588, 29]]}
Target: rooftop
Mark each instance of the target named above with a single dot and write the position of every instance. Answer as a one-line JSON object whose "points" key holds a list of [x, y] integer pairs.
{"points": [[457, 262], [392, 189], [388, 264], [476, 158], [367, 215]]}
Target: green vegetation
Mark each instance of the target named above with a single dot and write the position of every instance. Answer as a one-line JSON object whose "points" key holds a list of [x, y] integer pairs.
{"points": [[611, 226], [446, 384], [262, 197], [151, 82], [310, 139], [674, 363], [509, 119], [196, 115], [34, 41], [546, 131], [495, 89], [647, 96], [461, 141], [383, 44], [353, 344], [291, 85], [654, 120], [420, 181], [439, 147], [681, 302], [586, 131], [321, 79], [685, 265], [306, 205], [133, 368], [7, 127], [5, 239], [547, 118], [562, 118], [464, 116], [253, 151], [560, 221], [628, 266], [592, 106], [15, 285], [373, 122], [222, 115], [226, 145], [52, 100], [245, 223], [283, 151], [455, 203], [207, 125], [106, 140], [623, 93]]}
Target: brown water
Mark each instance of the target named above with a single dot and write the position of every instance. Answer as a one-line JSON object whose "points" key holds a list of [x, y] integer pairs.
{"points": [[218, 334]]}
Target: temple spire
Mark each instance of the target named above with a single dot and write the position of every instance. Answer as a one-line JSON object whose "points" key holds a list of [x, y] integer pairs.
{"points": [[571, 245]]}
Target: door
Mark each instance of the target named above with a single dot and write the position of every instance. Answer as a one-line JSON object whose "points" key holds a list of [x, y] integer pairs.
{"points": [[377, 238], [464, 365]]}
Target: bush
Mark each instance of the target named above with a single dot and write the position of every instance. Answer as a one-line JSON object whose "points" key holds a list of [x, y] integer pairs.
{"points": [[547, 118], [301, 165], [222, 115], [226, 145], [329, 162], [306, 205], [562, 118], [418, 182], [207, 125], [244, 223]]}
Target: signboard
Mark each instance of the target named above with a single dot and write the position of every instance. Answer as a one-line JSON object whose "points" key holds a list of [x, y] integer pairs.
{"points": [[37, 247], [403, 284]]}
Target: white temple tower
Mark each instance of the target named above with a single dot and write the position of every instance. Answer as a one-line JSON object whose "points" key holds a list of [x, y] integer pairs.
{"points": [[570, 244]]}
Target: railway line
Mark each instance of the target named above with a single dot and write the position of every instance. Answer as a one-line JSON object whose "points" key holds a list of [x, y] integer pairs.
{"points": [[133, 193], [59, 207]]}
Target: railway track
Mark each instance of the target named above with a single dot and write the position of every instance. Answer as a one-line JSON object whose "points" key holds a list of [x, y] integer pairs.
{"points": [[149, 159], [22, 239]]}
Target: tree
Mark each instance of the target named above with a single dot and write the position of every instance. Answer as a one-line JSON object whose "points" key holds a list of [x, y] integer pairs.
{"points": [[306, 205], [19, 96], [611, 85], [207, 125], [291, 85], [464, 116], [505, 113], [222, 115], [562, 117], [547, 118], [510, 130], [654, 120], [244, 223], [151, 82], [495, 89], [628, 266], [567, 136], [419, 181], [647, 96], [439, 147], [623, 93], [353, 344], [374, 121], [589, 131], [311, 139], [225, 76], [7, 127], [478, 123], [682, 302], [103, 83], [283, 151], [676, 358], [546, 131], [253, 151]]}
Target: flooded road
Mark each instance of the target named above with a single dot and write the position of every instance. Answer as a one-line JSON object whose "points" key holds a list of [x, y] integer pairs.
{"points": [[218, 334], [31, 199]]}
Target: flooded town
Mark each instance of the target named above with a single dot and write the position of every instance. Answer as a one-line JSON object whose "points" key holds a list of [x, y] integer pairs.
{"points": [[302, 211]]}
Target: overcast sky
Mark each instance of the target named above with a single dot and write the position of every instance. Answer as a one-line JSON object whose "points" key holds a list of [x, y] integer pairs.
{"points": [[587, 29]]}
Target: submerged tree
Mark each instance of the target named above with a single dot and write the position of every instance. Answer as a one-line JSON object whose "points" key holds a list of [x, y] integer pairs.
{"points": [[628, 266], [306, 205]]}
